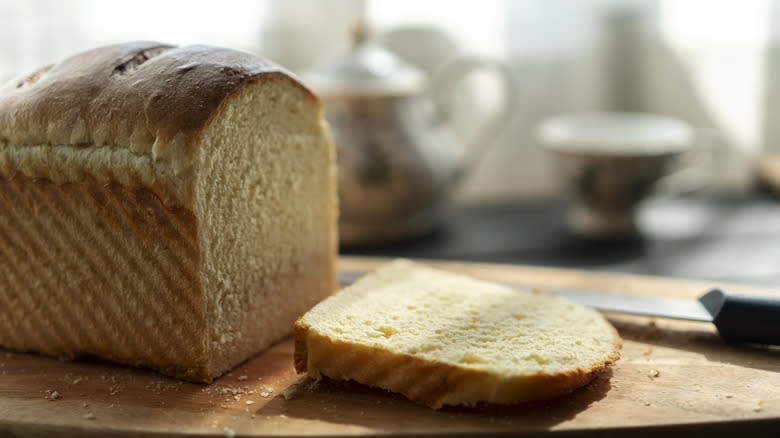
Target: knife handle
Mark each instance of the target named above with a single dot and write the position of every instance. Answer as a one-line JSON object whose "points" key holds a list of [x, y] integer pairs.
{"points": [[744, 318]]}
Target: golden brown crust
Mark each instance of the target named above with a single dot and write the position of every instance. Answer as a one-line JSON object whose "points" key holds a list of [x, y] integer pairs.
{"points": [[84, 274], [300, 356], [429, 382], [148, 97]]}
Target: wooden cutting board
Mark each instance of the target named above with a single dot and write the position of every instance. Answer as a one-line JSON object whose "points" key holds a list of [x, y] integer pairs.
{"points": [[673, 377]]}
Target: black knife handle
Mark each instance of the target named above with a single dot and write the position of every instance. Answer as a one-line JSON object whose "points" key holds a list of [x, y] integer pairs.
{"points": [[744, 318]]}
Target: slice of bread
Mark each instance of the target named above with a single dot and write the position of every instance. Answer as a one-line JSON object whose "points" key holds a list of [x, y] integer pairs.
{"points": [[446, 339]]}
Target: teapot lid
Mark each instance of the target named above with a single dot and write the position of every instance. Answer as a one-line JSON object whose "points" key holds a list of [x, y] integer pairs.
{"points": [[368, 69]]}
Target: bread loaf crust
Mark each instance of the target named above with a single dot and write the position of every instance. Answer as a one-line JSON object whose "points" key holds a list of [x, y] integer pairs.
{"points": [[148, 98], [159, 206], [82, 308]]}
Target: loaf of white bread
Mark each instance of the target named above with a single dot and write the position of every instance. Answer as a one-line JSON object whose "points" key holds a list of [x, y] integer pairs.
{"points": [[446, 339], [160, 206]]}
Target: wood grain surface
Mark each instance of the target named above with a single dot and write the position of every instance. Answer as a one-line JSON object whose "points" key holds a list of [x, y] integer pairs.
{"points": [[673, 378]]}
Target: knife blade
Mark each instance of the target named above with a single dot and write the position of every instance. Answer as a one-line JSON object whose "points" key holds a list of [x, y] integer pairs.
{"points": [[739, 318]]}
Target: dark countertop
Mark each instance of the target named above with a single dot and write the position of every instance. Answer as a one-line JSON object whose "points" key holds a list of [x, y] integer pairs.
{"points": [[720, 238]]}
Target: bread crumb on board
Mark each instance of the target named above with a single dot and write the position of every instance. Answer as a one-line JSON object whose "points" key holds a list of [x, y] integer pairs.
{"points": [[160, 386], [52, 395]]}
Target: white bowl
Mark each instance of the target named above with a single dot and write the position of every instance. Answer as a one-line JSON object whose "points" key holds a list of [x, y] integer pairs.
{"points": [[608, 162], [615, 133]]}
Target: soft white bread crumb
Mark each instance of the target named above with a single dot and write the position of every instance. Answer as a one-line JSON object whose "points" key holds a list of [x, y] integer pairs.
{"points": [[445, 339]]}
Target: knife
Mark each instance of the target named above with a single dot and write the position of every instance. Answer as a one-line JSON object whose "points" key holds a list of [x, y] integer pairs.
{"points": [[739, 318]]}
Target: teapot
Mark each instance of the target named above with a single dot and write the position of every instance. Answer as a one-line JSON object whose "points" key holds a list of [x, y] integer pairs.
{"points": [[398, 157]]}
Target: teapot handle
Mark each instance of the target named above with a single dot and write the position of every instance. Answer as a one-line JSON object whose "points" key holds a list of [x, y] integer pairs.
{"points": [[442, 90]]}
